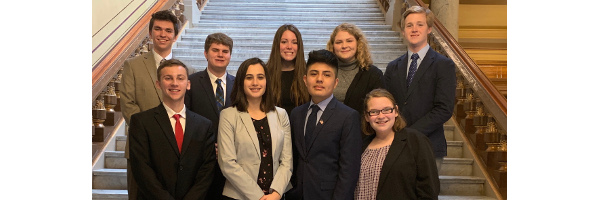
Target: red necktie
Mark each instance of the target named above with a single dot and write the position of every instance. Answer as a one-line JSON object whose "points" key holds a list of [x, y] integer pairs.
{"points": [[178, 131]]}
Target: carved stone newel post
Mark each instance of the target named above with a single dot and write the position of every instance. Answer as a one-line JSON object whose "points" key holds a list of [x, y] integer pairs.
{"points": [[98, 117]]}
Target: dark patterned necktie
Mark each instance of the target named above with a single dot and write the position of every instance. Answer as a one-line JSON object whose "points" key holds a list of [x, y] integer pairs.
{"points": [[413, 69], [311, 123], [220, 95]]}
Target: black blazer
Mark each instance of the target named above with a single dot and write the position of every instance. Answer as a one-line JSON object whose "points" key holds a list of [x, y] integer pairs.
{"points": [[409, 170], [160, 171], [329, 167], [429, 101], [364, 81], [201, 99]]}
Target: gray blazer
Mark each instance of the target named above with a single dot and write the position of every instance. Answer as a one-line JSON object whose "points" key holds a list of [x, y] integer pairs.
{"points": [[239, 153]]}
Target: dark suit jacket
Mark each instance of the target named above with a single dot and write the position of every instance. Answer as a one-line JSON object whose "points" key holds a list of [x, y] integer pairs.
{"points": [[429, 101], [364, 81], [329, 167], [201, 96], [409, 170], [159, 169], [201, 99]]}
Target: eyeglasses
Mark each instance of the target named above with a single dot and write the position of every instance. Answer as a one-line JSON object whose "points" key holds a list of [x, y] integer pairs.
{"points": [[384, 111]]}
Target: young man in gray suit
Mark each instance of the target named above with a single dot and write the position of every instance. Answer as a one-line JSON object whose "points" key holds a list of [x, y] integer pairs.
{"points": [[423, 82], [139, 91], [326, 137]]}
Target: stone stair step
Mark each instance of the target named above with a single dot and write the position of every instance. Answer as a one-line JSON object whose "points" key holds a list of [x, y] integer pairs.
{"points": [[236, 32], [297, 1], [98, 194], [461, 185], [456, 197], [292, 19], [292, 9], [112, 179], [121, 140], [329, 26], [115, 160], [199, 55], [239, 13], [449, 132], [457, 167], [307, 40], [315, 4], [454, 149], [267, 45]]}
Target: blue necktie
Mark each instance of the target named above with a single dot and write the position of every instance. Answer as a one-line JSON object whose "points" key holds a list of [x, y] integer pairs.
{"points": [[220, 96], [311, 123], [413, 69]]}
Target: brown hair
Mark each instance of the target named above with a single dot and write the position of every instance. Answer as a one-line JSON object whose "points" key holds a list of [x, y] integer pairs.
{"points": [[165, 15], [238, 96], [169, 63], [218, 38], [298, 92], [363, 54], [399, 124]]}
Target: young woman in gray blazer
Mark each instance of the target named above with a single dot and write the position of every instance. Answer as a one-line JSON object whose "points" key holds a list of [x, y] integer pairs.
{"points": [[254, 139]]}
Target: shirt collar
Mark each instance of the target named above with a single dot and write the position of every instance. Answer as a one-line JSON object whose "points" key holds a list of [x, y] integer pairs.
{"points": [[213, 77], [171, 112], [158, 58], [421, 52], [323, 104]]}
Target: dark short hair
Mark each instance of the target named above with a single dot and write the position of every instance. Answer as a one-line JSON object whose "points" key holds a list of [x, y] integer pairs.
{"points": [[238, 97], [322, 56], [218, 38], [165, 15], [169, 63]]}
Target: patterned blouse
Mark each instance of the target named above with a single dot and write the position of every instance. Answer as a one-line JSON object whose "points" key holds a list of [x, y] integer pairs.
{"points": [[265, 172], [371, 162]]}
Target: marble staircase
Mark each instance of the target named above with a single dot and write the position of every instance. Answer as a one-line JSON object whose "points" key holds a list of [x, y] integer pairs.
{"points": [[252, 25]]}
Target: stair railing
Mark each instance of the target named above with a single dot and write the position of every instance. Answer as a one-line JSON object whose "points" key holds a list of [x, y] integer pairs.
{"points": [[106, 75], [480, 109]]}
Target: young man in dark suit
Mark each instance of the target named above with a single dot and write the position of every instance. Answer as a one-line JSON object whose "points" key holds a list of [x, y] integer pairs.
{"points": [[172, 148], [210, 92], [326, 137], [423, 82]]}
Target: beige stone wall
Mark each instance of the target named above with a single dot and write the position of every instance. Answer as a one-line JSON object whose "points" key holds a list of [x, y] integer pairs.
{"points": [[111, 20]]}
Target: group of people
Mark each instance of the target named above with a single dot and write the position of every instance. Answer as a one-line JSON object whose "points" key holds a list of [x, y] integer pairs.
{"points": [[332, 126]]}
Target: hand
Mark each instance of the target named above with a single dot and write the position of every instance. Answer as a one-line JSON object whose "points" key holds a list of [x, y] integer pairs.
{"points": [[273, 196], [216, 150]]}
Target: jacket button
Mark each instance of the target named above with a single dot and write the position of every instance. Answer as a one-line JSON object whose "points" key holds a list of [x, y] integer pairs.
{"points": [[180, 167], [405, 103]]}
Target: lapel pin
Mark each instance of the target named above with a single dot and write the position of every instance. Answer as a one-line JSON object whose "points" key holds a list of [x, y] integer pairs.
{"points": [[321, 121]]}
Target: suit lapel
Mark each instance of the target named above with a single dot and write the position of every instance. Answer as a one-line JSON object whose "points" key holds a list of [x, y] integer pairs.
{"points": [[190, 126], [208, 89], [299, 129], [162, 119], [425, 64], [393, 153], [327, 113], [273, 119], [247, 120], [151, 68], [402, 72], [230, 82]]}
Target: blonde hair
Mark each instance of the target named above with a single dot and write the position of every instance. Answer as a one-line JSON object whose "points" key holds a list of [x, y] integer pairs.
{"points": [[417, 9], [363, 53]]}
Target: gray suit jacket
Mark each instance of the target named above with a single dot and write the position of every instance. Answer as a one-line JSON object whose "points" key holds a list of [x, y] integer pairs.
{"points": [[239, 153], [138, 87]]}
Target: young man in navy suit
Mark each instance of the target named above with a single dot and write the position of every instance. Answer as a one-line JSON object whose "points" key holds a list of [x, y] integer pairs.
{"points": [[210, 92], [326, 137], [423, 82], [172, 148]]}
